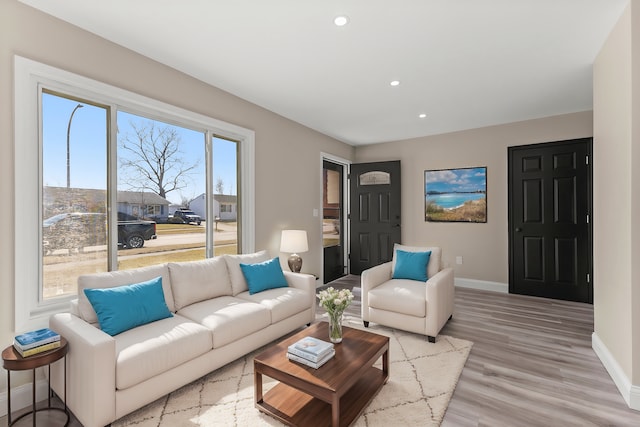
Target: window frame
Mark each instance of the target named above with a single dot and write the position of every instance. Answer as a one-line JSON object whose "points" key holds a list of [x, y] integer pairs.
{"points": [[30, 311]]}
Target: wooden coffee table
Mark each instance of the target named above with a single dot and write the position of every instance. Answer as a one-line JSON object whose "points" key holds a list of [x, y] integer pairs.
{"points": [[334, 394]]}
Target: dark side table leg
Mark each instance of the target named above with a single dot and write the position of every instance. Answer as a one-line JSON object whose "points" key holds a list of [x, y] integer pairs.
{"points": [[33, 392], [9, 397], [49, 389], [65, 388]]}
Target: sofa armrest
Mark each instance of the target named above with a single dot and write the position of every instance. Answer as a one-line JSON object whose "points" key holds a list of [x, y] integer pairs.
{"points": [[307, 283], [370, 278], [440, 293], [91, 366]]}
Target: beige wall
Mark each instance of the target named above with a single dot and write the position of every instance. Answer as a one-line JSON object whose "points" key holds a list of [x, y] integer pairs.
{"points": [[288, 168], [484, 247], [617, 193]]}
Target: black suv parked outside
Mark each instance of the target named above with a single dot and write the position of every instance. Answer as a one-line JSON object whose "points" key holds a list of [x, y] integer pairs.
{"points": [[78, 230]]}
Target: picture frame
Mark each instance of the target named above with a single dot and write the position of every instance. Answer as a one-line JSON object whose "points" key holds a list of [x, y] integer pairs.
{"points": [[456, 195]]}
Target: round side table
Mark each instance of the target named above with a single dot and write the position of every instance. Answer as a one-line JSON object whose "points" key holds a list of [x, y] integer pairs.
{"points": [[12, 361]]}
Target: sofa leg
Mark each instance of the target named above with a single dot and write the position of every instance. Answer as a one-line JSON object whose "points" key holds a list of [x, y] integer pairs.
{"points": [[366, 323], [451, 317], [309, 324], [431, 339]]}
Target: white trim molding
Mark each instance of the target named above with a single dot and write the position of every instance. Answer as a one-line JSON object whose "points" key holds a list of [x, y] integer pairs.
{"points": [[630, 393], [483, 285]]}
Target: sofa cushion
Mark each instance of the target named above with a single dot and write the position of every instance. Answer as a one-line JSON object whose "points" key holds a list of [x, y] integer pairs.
{"points": [[238, 282], [401, 296], [435, 259], [263, 275], [411, 265], [195, 281], [118, 278], [125, 307], [154, 348], [228, 318], [281, 302]]}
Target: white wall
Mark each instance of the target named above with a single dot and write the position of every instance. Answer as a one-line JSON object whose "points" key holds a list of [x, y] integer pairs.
{"points": [[617, 203]]}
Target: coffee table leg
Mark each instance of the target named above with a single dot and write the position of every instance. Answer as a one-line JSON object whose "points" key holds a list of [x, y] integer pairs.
{"points": [[257, 381], [385, 363], [335, 411]]}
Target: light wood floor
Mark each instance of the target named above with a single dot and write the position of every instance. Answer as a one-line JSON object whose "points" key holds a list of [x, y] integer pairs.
{"points": [[531, 364]]}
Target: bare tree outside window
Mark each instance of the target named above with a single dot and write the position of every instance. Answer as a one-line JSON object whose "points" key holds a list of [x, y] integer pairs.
{"points": [[219, 186], [153, 158], [185, 200]]}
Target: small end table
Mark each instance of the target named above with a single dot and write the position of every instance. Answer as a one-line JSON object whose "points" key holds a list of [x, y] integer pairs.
{"points": [[12, 361]]}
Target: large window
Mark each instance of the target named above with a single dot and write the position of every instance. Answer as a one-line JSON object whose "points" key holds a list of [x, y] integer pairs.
{"points": [[107, 179]]}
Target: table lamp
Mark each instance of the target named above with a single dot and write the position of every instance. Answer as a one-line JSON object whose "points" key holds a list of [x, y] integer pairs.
{"points": [[294, 241]]}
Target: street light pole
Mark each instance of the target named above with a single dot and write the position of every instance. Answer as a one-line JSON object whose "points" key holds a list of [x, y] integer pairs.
{"points": [[68, 132]]}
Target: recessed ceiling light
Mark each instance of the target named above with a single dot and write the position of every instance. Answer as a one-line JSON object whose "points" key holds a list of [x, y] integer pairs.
{"points": [[422, 116], [341, 20], [395, 83]]}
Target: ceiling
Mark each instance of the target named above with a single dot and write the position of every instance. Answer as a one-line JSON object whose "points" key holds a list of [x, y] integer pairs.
{"points": [[463, 63]]}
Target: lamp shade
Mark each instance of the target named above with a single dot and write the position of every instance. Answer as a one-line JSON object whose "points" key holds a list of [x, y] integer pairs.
{"points": [[294, 241]]}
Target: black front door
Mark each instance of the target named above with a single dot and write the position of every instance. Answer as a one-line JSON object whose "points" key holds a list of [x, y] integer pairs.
{"points": [[549, 225], [375, 213]]}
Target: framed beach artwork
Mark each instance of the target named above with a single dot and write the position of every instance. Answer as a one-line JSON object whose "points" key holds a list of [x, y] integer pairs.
{"points": [[455, 195]]}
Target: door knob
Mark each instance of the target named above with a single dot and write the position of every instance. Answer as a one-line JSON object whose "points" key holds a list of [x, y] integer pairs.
{"points": [[518, 229]]}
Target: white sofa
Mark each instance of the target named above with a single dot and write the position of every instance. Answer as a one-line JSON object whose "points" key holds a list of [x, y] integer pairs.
{"points": [[409, 305], [215, 321]]}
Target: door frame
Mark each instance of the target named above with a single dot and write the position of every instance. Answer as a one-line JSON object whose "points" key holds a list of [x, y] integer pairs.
{"points": [[346, 164]]}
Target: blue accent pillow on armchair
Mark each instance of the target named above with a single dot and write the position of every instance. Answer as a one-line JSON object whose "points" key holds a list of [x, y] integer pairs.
{"points": [[264, 275], [411, 265]]}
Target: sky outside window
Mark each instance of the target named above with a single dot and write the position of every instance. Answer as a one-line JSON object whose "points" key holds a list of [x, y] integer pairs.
{"points": [[88, 164], [87, 143]]}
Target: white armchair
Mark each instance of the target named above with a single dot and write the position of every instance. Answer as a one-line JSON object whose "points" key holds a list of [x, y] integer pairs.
{"points": [[410, 305]]}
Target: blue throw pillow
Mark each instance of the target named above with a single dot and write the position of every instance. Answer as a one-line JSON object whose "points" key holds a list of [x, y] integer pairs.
{"points": [[125, 307], [411, 265], [264, 275]]}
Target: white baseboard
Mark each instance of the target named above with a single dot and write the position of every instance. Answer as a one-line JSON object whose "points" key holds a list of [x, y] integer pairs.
{"points": [[21, 396], [482, 285], [630, 393]]}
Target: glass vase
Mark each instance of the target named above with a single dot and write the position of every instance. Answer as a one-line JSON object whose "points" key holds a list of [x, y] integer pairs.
{"points": [[335, 327]]}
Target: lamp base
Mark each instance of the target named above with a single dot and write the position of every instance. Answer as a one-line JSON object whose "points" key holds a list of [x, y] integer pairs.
{"points": [[295, 263]]}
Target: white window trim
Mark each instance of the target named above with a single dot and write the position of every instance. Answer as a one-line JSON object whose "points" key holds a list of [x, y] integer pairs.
{"points": [[30, 311]]}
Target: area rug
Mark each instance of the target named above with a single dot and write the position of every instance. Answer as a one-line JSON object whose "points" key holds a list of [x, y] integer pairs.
{"points": [[422, 379]]}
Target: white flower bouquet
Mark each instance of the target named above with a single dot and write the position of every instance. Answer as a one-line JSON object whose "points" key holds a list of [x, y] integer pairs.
{"points": [[335, 302]]}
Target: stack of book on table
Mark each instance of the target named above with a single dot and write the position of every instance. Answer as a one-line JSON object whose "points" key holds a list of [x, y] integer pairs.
{"points": [[35, 342], [311, 351]]}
